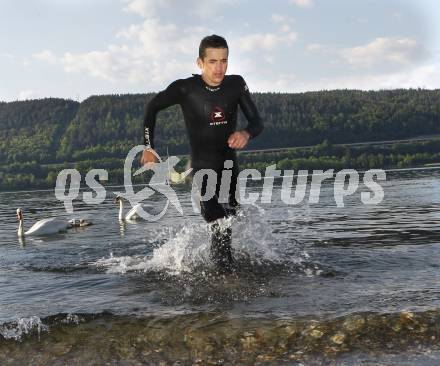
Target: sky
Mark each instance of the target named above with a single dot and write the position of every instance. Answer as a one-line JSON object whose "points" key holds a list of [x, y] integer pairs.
{"points": [[78, 48]]}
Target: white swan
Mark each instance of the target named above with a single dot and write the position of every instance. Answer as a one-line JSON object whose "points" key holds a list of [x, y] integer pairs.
{"points": [[48, 226], [131, 215]]}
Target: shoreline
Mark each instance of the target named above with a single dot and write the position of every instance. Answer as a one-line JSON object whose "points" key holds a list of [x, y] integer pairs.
{"points": [[215, 338]]}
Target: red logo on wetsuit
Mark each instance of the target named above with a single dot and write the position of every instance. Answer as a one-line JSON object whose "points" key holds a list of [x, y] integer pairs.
{"points": [[218, 117]]}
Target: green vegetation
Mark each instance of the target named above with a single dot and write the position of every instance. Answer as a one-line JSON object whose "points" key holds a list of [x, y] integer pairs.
{"points": [[327, 156], [38, 138]]}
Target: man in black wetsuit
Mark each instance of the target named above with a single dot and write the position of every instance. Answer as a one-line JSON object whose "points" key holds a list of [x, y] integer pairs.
{"points": [[209, 103]]}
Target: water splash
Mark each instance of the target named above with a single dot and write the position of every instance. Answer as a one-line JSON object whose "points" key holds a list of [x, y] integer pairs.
{"points": [[23, 326], [252, 236], [72, 319], [122, 264], [187, 250]]}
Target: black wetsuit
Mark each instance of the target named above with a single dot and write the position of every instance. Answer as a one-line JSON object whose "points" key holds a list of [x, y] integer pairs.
{"points": [[210, 115]]}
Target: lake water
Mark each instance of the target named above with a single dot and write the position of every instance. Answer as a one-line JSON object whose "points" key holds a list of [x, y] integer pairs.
{"points": [[315, 283]]}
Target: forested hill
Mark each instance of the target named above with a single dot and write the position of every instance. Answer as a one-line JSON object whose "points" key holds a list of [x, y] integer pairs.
{"points": [[31, 130], [57, 130]]}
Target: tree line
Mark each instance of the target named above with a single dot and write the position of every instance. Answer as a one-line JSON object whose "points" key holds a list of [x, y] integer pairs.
{"points": [[39, 136]]}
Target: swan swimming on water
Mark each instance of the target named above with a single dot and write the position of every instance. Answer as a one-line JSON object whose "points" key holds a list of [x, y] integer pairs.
{"points": [[131, 215], [48, 226]]}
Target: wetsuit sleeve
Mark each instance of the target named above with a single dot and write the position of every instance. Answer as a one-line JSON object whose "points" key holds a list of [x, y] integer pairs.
{"points": [[166, 98], [255, 123]]}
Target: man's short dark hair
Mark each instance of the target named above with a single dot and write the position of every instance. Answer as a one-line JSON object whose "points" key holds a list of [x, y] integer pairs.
{"points": [[213, 41]]}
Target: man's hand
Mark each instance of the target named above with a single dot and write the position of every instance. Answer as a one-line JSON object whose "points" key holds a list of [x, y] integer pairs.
{"points": [[239, 139], [149, 157]]}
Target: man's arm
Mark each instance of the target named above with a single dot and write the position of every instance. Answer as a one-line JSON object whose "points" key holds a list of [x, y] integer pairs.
{"points": [[255, 123], [164, 99], [239, 139]]}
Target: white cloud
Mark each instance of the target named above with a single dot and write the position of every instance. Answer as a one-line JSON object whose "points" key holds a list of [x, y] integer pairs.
{"points": [[144, 8], [384, 49], [153, 52], [270, 59], [26, 94], [100, 64], [360, 20], [398, 15], [285, 28], [265, 41], [283, 82], [208, 9], [47, 56], [7, 55], [149, 52], [279, 18], [285, 22], [291, 36], [426, 76], [203, 8], [318, 48], [302, 3], [244, 65]]}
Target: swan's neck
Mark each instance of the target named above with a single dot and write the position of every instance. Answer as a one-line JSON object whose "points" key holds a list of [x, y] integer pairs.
{"points": [[20, 228], [121, 209]]}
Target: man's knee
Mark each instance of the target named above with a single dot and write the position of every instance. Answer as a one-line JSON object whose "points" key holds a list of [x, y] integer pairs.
{"points": [[212, 210]]}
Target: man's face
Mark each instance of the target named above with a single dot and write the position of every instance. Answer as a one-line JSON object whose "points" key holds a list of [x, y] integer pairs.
{"points": [[214, 65]]}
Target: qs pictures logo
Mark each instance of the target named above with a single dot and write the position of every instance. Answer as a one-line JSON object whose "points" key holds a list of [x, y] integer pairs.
{"points": [[158, 184]]}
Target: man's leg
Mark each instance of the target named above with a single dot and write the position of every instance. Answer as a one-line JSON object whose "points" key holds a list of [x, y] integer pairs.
{"points": [[221, 252], [221, 237]]}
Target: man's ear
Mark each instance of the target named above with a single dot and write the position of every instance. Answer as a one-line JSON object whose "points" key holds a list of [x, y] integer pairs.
{"points": [[199, 63]]}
